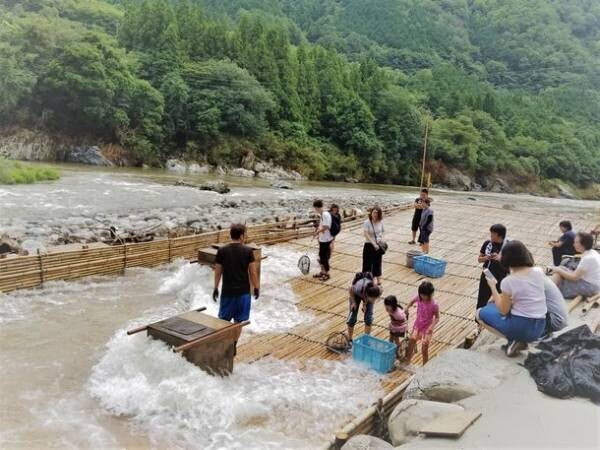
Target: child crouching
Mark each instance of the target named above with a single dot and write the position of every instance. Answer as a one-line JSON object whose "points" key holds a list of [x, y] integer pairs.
{"points": [[428, 315]]}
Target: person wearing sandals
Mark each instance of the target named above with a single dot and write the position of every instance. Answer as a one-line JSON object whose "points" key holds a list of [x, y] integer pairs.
{"points": [[323, 232], [519, 312], [419, 202], [372, 253]]}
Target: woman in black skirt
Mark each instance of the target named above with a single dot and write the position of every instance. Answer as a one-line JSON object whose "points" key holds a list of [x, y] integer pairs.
{"points": [[372, 254]]}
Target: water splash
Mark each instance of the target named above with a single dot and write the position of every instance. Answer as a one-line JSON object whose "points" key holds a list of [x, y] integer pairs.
{"points": [[275, 310], [269, 404]]}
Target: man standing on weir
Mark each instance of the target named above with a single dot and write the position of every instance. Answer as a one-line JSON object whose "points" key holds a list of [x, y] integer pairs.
{"points": [[323, 232], [235, 263]]}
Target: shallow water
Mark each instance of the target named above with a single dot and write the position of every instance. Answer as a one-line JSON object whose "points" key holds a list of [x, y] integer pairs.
{"points": [[71, 378]]}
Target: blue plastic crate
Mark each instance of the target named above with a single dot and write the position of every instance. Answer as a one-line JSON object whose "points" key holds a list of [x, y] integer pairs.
{"points": [[429, 266], [376, 353]]}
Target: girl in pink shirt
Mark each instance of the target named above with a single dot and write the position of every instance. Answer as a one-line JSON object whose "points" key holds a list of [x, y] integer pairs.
{"points": [[428, 315]]}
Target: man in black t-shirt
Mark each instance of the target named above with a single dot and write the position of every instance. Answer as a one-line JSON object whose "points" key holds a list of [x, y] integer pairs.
{"points": [[565, 244], [489, 255], [235, 263], [419, 205]]}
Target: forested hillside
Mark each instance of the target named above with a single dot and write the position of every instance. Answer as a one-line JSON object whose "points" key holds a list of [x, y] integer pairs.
{"points": [[332, 88]]}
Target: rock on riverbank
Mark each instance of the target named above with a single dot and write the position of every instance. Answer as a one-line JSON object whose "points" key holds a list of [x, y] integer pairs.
{"points": [[29, 145], [175, 221], [250, 168]]}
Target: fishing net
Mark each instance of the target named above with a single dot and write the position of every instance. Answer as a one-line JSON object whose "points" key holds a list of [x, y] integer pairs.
{"points": [[304, 264], [338, 342]]}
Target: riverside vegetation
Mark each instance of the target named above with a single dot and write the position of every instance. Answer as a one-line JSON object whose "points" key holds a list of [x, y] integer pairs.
{"points": [[14, 172], [333, 89]]}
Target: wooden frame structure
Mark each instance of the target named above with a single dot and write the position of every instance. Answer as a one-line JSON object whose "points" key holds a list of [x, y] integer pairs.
{"points": [[23, 272]]}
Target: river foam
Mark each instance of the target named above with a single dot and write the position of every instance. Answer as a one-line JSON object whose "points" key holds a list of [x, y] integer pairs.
{"points": [[269, 404]]}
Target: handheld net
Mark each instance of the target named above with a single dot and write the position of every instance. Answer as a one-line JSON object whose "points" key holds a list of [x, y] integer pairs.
{"points": [[304, 264]]}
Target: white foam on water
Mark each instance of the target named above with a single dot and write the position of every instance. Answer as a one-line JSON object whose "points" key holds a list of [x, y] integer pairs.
{"points": [[21, 305], [269, 404], [276, 308]]}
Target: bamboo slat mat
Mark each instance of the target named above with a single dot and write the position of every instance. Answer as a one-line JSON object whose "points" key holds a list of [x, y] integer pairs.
{"points": [[459, 233]]}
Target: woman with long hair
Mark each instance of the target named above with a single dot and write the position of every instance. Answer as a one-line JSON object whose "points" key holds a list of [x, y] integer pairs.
{"points": [[372, 252]]}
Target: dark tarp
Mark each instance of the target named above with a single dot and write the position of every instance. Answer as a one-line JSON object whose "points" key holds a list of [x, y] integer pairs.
{"points": [[568, 365]]}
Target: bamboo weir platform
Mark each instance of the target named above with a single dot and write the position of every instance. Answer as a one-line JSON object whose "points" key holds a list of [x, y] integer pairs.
{"points": [[460, 229]]}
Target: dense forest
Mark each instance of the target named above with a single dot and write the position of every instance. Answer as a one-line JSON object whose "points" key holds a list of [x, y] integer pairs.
{"points": [[332, 88]]}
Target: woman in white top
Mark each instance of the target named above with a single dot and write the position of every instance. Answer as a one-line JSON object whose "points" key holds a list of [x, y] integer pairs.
{"points": [[585, 280], [372, 254], [519, 312]]}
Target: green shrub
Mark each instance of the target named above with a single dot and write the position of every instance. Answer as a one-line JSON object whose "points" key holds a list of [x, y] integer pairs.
{"points": [[12, 172]]}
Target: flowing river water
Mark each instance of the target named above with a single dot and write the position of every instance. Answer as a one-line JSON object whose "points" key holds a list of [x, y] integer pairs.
{"points": [[71, 378]]}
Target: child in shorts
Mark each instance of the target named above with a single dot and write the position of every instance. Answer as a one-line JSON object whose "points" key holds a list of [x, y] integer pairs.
{"points": [[428, 315], [398, 320]]}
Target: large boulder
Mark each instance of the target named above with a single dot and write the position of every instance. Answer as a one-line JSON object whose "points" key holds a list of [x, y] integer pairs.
{"points": [[216, 186], [8, 245], [409, 416], [280, 184], [565, 191], [241, 172], [456, 374], [176, 165], [248, 160], [365, 442], [198, 169], [84, 154], [455, 179], [499, 186]]}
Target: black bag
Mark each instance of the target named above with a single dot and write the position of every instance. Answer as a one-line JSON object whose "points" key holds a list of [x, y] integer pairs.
{"points": [[336, 224], [361, 275], [568, 365], [383, 246]]}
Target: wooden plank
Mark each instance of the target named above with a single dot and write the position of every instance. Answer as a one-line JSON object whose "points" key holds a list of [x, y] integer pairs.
{"points": [[451, 425]]}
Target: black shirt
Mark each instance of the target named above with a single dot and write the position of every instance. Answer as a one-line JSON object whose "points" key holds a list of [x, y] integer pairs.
{"points": [[235, 259], [418, 211], [568, 243], [495, 267]]}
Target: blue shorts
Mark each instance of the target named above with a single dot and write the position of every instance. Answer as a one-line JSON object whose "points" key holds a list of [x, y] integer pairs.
{"points": [[236, 307], [515, 328]]}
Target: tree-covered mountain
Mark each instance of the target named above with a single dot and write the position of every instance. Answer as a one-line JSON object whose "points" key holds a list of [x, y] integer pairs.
{"points": [[333, 88]]}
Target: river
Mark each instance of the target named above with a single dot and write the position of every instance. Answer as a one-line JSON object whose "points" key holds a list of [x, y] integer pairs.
{"points": [[71, 378]]}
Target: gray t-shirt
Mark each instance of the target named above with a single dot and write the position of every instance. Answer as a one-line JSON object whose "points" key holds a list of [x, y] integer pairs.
{"points": [[360, 286], [527, 293], [374, 229], [425, 215], [557, 307]]}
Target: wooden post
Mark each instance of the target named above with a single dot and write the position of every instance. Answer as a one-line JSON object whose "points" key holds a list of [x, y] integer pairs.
{"points": [[169, 239], [41, 267], [257, 252], [124, 257], [424, 150]]}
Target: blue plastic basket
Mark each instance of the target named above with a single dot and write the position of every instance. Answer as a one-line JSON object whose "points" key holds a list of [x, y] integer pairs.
{"points": [[429, 266], [378, 354]]}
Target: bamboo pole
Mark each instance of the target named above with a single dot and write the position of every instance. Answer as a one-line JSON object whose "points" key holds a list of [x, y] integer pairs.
{"points": [[424, 150]]}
